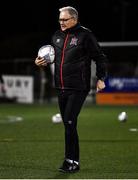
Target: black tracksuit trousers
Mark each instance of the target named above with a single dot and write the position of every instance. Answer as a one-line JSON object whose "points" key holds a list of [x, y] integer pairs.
{"points": [[70, 103]]}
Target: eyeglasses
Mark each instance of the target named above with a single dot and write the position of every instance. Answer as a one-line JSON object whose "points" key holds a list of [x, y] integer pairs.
{"points": [[64, 20]]}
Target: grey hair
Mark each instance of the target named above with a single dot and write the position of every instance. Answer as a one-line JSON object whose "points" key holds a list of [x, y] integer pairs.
{"points": [[72, 11]]}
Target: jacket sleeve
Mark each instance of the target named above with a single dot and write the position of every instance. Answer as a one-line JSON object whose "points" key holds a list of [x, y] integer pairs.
{"points": [[95, 53]]}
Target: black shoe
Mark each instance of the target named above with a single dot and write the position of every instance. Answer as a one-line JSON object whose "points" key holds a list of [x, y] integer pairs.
{"points": [[68, 167]]}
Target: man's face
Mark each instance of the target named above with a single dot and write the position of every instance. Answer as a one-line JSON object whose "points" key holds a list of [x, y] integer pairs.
{"points": [[66, 20]]}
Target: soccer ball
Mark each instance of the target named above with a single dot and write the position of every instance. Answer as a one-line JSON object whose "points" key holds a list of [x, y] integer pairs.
{"points": [[56, 118], [122, 117], [47, 52]]}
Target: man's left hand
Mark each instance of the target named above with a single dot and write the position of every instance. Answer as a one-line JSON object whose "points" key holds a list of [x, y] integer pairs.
{"points": [[100, 85]]}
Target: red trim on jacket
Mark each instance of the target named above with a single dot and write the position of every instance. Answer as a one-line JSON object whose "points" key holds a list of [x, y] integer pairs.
{"points": [[62, 61]]}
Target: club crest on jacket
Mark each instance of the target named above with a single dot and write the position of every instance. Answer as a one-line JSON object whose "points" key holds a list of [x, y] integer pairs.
{"points": [[74, 41]]}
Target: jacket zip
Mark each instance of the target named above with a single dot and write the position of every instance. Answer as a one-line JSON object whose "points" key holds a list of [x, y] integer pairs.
{"points": [[62, 61]]}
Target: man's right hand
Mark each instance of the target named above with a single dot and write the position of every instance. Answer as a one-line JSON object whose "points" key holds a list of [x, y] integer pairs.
{"points": [[40, 62]]}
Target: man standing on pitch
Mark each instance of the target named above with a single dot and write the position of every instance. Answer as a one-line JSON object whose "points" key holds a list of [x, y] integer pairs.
{"points": [[75, 48]]}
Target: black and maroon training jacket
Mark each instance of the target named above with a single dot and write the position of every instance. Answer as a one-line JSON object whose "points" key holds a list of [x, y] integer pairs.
{"points": [[74, 50]]}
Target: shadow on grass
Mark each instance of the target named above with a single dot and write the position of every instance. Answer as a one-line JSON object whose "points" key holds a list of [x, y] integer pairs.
{"points": [[58, 175]]}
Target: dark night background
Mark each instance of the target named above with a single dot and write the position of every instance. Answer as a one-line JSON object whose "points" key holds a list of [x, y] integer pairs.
{"points": [[26, 25]]}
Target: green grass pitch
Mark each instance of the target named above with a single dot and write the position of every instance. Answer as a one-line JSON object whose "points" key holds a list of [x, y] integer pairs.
{"points": [[34, 147]]}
